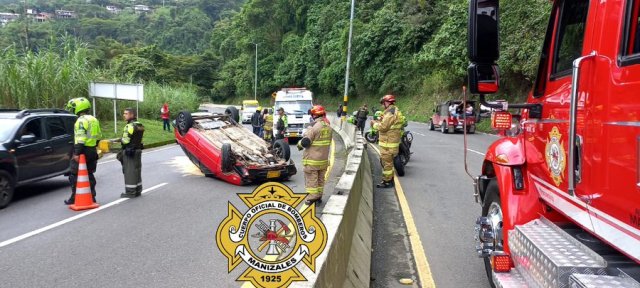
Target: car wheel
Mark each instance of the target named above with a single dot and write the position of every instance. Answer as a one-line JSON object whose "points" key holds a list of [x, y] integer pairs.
{"points": [[431, 126], [443, 128], [472, 129], [492, 209], [233, 112], [6, 188], [184, 122], [398, 163], [227, 159], [282, 149]]}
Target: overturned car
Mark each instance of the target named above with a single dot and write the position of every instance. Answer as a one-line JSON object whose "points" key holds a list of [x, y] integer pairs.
{"points": [[224, 149]]}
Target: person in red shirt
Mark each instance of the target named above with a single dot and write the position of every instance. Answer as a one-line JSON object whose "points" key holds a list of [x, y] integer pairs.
{"points": [[164, 112]]}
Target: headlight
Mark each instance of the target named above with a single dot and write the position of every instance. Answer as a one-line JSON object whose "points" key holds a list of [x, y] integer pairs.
{"points": [[514, 130]]}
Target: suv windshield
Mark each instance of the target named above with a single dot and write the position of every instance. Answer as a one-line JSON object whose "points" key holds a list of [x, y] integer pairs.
{"points": [[295, 107], [7, 126]]}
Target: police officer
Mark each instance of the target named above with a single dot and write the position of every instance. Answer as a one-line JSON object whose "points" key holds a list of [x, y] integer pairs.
{"points": [[86, 134], [267, 126], [315, 159], [281, 126], [131, 154], [390, 129]]}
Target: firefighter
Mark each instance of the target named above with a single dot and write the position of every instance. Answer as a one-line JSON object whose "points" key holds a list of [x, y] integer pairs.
{"points": [[86, 134], [315, 159], [131, 154], [282, 124], [390, 129], [267, 126]]}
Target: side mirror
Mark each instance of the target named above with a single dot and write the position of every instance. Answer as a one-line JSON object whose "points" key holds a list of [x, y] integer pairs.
{"points": [[483, 79], [483, 44], [27, 139]]}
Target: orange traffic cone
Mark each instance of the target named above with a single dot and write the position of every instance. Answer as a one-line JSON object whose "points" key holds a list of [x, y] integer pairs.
{"points": [[84, 199]]}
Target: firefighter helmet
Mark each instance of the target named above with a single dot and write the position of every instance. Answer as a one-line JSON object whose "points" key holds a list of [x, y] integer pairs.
{"points": [[77, 105], [388, 98], [318, 111]]}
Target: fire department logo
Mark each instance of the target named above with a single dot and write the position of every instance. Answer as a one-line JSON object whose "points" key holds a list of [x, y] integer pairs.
{"points": [[555, 156], [272, 237]]}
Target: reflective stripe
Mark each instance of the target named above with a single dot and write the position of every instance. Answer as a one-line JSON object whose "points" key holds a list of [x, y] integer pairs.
{"points": [[321, 143], [396, 126], [387, 172], [312, 190], [315, 162], [389, 145]]}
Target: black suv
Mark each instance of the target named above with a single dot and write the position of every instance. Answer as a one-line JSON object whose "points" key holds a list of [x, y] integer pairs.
{"points": [[34, 145]]}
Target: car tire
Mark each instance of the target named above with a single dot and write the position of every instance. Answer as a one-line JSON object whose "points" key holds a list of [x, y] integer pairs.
{"points": [[233, 112], [398, 164], [7, 188], [491, 202], [282, 149], [443, 128], [227, 159], [431, 126], [472, 129], [184, 121]]}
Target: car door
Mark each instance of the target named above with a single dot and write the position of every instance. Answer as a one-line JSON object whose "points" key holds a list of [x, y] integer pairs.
{"points": [[31, 157], [60, 137]]}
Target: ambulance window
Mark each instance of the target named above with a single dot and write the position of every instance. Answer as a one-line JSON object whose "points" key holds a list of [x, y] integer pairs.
{"points": [[570, 36], [631, 44]]}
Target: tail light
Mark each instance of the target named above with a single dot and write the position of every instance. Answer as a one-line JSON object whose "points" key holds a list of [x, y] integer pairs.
{"points": [[501, 262], [501, 120]]}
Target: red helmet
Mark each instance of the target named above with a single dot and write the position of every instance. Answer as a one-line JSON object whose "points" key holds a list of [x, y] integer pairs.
{"points": [[388, 98], [318, 111]]}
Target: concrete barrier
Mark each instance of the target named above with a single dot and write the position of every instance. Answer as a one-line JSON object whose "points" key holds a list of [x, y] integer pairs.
{"points": [[348, 216]]}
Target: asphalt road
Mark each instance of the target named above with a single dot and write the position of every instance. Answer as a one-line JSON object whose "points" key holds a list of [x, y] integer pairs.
{"points": [[440, 197], [166, 238]]}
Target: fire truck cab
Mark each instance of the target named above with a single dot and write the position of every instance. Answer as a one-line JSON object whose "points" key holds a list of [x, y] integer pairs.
{"points": [[560, 192]]}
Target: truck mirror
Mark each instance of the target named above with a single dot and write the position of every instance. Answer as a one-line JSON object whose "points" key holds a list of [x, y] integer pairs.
{"points": [[482, 43], [483, 79]]}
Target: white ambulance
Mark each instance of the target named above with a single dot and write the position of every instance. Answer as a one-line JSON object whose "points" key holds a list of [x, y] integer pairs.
{"points": [[296, 102]]}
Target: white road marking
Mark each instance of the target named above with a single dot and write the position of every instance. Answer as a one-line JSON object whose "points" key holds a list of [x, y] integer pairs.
{"points": [[152, 151], [418, 133], [70, 219], [474, 151]]}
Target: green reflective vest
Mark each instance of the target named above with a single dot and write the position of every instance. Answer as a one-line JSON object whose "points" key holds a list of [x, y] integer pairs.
{"points": [[87, 131]]}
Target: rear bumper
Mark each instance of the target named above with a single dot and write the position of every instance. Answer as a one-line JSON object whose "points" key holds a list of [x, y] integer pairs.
{"points": [[282, 172]]}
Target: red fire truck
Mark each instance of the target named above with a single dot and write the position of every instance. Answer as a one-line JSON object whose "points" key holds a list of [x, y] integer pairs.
{"points": [[560, 192]]}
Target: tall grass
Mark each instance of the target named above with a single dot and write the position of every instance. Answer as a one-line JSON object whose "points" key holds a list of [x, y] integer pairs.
{"points": [[49, 78], [43, 79]]}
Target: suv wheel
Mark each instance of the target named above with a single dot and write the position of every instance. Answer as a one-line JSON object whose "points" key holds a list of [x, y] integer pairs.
{"points": [[6, 188]]}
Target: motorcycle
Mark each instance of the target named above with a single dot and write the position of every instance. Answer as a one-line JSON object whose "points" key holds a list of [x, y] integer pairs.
{"points": [[404, 153], [372, 135]]}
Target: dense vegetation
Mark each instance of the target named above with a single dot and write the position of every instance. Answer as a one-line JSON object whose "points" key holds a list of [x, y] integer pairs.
{"points": [[413, 48]]}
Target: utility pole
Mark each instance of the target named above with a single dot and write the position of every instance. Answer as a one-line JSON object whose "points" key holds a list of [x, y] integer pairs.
{"points": [[346, 77], [26, 27], [255, 82]]}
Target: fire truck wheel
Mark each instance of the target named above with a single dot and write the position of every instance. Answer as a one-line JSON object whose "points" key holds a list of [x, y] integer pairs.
{"points": [[492, 209]]}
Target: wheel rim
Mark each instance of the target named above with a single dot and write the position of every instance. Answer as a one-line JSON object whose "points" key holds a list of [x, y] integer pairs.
{"points": [[495, 217], [278, 151], [409, 137], [5, 189], [181, 122]]}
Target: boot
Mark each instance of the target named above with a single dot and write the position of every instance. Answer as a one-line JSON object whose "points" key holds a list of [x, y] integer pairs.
{"points": [[128, 195], [312, 198], [385, 184], [70, 201]]}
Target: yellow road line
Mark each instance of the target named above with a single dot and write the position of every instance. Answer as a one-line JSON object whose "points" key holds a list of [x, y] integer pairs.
{"points": [[424, 272]]}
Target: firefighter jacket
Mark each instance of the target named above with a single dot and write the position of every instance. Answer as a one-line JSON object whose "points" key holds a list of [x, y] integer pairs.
{"points": [[132, 135], [87, 132], [390, 127], [316, 156], [268, 122]]}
